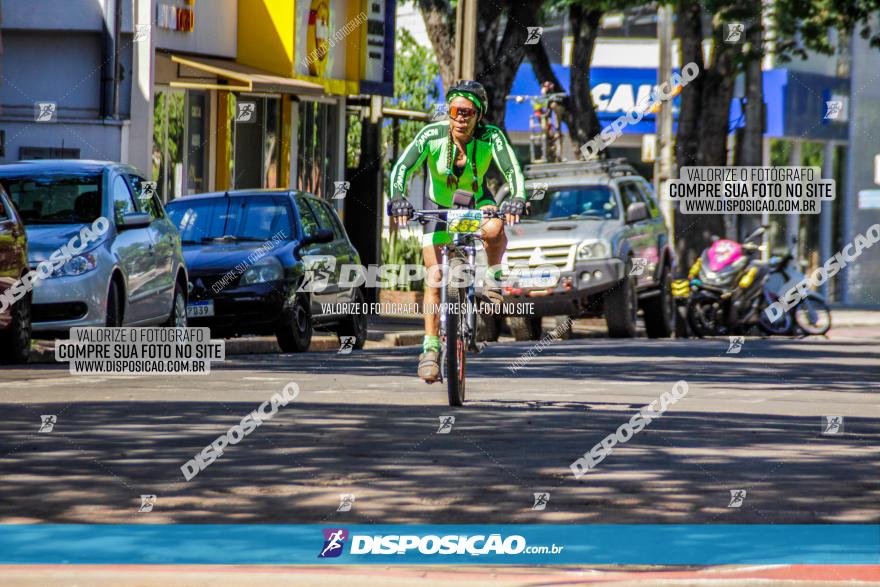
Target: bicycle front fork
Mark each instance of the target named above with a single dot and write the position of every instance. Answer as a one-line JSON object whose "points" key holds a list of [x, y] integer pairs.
{"points": [[444, 298]]}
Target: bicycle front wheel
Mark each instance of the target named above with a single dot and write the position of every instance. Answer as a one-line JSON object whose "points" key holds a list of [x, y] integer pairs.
{"points": [[454, 348]]}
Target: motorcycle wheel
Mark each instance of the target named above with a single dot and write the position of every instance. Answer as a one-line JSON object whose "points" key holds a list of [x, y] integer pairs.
{"points": [[702, 317], [813, 316], [781, 327]]}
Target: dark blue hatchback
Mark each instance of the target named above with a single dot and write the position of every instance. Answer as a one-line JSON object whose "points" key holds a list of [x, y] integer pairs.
{"points": [[246, 251]]}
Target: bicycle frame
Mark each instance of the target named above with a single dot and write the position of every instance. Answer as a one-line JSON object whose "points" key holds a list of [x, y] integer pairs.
{"points": [[465, 245]]}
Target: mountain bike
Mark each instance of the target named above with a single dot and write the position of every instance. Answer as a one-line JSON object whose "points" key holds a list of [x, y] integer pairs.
{"points": [[458, 308]]}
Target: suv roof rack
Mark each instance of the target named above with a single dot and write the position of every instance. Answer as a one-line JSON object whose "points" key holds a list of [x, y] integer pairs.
{"points": [[613, 167]]}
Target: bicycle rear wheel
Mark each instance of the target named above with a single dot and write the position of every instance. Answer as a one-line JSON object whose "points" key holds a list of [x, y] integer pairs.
{"points": [[454, 348]]}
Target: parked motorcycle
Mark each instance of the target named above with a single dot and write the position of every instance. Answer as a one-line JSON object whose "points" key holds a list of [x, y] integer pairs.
{"points": [[811, 315], [725, 291]]}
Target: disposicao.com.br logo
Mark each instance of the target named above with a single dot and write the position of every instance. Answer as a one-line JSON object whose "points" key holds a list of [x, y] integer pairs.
{"points": [[432, 544]]}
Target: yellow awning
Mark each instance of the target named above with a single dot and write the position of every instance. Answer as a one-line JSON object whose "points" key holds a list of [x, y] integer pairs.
{"points": [[236, 77]]}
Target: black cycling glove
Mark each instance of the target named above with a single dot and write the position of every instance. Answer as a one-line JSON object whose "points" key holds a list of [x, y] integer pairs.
{"points": [[516, 207], [400, 207]]}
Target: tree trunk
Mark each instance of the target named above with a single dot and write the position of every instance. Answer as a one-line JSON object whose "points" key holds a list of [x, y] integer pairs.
{"points": [[537, 55], [703, 125], [583, 124], [439, 20], [498, 62]]}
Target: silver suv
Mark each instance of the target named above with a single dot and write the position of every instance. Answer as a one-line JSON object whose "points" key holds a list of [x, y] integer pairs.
{"points": [[600, 224]]}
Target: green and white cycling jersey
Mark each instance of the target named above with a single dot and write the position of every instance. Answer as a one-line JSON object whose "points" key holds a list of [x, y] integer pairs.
{"points": [[432, 144]]}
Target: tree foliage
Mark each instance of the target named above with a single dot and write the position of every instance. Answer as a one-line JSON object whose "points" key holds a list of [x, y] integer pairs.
{"points": [[800, 26], [502, 29]]}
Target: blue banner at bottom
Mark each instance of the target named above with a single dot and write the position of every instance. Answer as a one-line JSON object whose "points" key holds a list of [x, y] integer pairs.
{"points": [[437, 544]]}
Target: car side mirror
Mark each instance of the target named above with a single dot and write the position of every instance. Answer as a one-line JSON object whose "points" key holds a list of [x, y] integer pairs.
{"points": [[320, 237], [134, 220], [636, 211]]}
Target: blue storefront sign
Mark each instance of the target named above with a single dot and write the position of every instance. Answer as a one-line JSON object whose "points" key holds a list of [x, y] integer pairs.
{"points": [[795, 102]]}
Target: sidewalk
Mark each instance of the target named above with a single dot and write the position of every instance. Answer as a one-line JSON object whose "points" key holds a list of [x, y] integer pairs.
{"points": [[854, 317]]}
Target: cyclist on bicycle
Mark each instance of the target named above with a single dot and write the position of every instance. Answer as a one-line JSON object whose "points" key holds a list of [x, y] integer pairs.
{"points": [[458, 151]]}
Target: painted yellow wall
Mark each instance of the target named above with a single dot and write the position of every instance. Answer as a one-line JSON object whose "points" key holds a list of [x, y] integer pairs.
{"points": [[344, 11], [266, 40], [265, 35]]}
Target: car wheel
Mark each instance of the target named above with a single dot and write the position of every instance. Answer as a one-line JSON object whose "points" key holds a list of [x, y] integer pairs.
{"points": [[114, 306], [621, 307], [659, 310], [356, 324], [564, 327], [295, 335], [177, 319], [525, 327], [15, 341]]}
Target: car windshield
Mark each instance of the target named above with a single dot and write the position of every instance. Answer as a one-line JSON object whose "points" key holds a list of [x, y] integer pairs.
{"points": [[574, 202], [69, 198], [248, 218]]}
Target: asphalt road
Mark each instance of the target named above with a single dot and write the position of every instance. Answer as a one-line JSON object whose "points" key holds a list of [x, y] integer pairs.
{"points": [[363, 425]]}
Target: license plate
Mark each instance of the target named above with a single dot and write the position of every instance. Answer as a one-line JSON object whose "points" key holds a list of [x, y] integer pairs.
{"points": [[200, 309], [463, 221], [535, 279]]}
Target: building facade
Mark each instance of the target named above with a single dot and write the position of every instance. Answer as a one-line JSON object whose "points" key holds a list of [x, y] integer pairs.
{"points": [[201, 96], [61, 95]]}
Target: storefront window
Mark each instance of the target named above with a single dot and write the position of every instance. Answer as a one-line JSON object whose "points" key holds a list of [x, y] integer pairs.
{"points": [[316, 153], [180, 142], [256, 138], [168, 143], [197, 142]]}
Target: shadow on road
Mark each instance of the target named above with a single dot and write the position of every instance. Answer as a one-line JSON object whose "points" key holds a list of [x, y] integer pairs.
{"points": [[785, 363], [102, 456]]}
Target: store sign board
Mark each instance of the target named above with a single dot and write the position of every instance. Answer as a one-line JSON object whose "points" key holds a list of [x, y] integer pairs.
{"points": [[317, 32], [374, 59], [175, 18], [377, 58]]}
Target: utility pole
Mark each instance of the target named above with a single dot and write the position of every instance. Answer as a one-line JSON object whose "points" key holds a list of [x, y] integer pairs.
{"points": [[465, 39], [664, 166]]}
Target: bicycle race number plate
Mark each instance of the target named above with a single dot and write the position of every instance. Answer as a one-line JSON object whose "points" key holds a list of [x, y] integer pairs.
{"points": [[463, 221]]}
